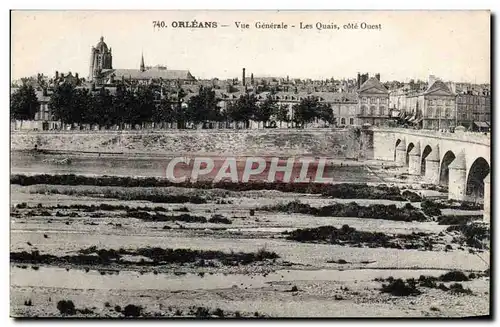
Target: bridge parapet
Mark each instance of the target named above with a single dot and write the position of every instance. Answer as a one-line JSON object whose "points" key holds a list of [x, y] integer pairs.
{"points": [[468, 137]]}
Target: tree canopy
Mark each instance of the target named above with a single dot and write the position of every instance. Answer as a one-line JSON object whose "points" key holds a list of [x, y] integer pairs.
{"points": [[24, 103]]}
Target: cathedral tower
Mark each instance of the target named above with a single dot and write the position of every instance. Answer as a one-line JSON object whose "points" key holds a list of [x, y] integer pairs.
{"points": [[100, 58]]}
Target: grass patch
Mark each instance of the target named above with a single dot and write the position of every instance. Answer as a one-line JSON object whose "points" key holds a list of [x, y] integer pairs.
{"points": [[475, 235], [401, 287], [219, 219], [458, 219], [454, 276], [430, 208], [458, 288]]}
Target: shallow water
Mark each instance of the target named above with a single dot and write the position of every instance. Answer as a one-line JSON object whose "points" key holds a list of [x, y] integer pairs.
{"points": [[123, 165], [132, 280]]}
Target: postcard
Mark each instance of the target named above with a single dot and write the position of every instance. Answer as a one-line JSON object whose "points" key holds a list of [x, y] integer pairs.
{"points": [[250, 164]]}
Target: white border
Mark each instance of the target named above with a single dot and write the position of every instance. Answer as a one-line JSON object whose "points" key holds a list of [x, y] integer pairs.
{"points": [[493, 5]]}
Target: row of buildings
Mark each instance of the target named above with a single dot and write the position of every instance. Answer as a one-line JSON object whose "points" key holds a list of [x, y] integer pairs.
{"points": [[362, 100], [438, 107]]}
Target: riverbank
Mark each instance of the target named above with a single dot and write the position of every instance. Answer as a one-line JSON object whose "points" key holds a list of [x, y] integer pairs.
{"points": [[341, 143]]}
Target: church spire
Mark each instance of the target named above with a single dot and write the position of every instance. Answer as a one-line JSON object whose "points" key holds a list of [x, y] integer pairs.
{"points": [[143, 68]]}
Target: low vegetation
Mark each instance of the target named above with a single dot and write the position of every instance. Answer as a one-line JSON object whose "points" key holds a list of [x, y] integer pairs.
{"points": [[155, 195], [66, 307], [94, 256], [219, 219], [350, 236], [352, 209], [430, 208], [400, 287], [476, 235], [132, 310], [458, 219], [158, 217], [342, 190]]}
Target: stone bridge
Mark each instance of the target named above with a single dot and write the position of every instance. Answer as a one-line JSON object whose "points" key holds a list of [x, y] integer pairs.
{"points": [[458, 160]]}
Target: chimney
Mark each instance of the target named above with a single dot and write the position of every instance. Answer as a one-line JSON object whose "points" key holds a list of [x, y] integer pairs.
{"points": [[364, 78], [377, 76], [57, 74], [251, 79], [432, 79], [243, 77]]}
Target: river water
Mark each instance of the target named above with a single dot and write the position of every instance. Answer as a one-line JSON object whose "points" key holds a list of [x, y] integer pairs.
{"points": [[29, 162]]}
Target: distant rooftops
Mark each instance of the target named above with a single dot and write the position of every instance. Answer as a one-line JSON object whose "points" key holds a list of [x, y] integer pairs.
{"points": [[151, 73], [373, 83]]}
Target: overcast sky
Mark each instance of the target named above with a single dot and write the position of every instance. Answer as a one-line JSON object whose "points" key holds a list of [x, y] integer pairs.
{"points": [[453, 45]]}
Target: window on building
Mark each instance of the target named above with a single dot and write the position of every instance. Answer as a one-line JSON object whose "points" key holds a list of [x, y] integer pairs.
{"points": [[342, 121], [372, 110], [363, 111], [382, 111], [363, 99], [351, 121]]}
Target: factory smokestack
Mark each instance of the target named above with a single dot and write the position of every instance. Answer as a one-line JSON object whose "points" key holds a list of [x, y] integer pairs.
{"points": [[243, 77]]}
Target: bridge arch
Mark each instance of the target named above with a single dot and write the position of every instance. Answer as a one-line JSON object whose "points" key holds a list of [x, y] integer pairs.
{"points": [[395, 147], [444, 175], [427, 150], [475, 179], [410, 147]]}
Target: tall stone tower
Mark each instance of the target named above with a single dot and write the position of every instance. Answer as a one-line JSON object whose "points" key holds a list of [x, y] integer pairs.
{"points": [[100, 58]]}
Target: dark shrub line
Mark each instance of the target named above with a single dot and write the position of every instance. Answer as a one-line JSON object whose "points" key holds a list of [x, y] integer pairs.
{"points": [[343, 190], [158, 217], [434, 206], [93, 207], [400, 287], [219, 219], [94, 256], [350, 236], [458, 219], [352, 209], [155, 198]]}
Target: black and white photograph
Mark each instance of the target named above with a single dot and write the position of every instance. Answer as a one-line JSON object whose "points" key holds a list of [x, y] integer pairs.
{"points": [[244, 164]]}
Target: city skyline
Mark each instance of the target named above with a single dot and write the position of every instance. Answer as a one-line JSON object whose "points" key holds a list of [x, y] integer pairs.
{"points": [[396, 51]]}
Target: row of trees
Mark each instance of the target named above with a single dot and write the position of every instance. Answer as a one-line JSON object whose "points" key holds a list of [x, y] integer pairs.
{"points": [[152, 104]]}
